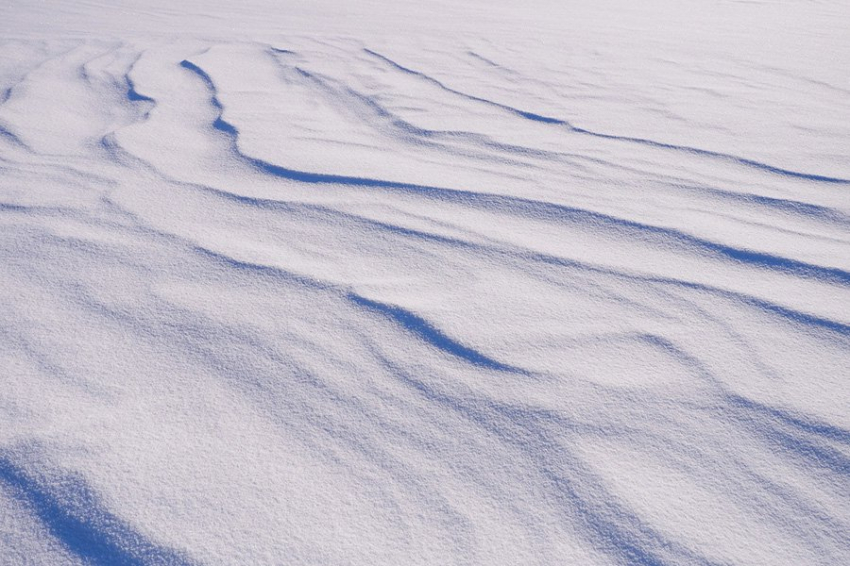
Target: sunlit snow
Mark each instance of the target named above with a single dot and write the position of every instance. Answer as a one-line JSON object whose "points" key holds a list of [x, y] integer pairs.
{"points": [[425, 282]]}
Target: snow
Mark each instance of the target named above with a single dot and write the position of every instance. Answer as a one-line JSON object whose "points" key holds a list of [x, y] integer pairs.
{"points": [[424, 282]]}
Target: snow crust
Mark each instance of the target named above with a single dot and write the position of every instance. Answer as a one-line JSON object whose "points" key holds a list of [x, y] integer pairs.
{"points": [[424, 282]]}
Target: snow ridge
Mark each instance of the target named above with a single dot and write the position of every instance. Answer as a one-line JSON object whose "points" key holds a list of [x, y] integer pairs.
{"points": [[425, 295]]}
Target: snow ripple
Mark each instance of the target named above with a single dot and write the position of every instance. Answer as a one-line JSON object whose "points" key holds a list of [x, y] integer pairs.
{"points": [[307, 301]]}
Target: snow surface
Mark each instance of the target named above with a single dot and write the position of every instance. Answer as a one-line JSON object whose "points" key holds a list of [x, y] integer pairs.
{"points": [[431, 282]]}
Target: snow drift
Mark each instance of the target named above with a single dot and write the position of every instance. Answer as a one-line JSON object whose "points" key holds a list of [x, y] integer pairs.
{"points": [[424, 283]]}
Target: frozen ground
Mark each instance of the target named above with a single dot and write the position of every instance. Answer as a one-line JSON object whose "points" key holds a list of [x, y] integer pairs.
{"points": [[419, 283]]}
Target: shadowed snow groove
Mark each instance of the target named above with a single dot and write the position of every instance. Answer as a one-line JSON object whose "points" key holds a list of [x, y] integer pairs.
{"points": [[10, 137], [433, 336], [133, 95], [608, 524], [641, 141], [815, 444], [514, 205], [219, 124], [72, 513]]}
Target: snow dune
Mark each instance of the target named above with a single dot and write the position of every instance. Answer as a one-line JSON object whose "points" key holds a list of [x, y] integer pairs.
{"points": [[424, 283]]}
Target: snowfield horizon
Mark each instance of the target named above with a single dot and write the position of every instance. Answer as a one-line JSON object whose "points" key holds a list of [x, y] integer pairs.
{"points": [[326, 282]]}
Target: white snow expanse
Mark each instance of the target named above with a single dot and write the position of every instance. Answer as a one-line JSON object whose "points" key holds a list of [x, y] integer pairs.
{"points": [[425, 282]]}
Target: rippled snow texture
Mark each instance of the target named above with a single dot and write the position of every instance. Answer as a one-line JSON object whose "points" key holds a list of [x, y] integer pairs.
{"points": [[420, 283]]}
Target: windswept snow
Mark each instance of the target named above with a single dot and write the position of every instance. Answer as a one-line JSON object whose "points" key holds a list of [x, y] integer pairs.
{"points": [[425, 283]]}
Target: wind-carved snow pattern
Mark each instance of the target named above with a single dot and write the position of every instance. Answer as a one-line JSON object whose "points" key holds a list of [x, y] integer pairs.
{"points": [[379, 297]]}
